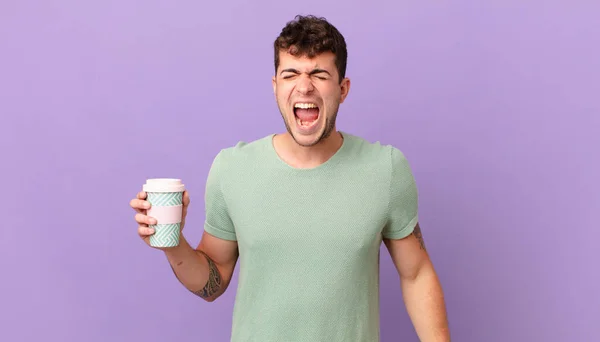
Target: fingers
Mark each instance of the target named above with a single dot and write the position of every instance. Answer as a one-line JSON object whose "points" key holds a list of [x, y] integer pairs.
{"points": [[143, 219], [145, 231], [139, 205]]}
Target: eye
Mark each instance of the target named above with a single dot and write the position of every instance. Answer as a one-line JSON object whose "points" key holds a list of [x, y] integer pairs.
{"points": [[288, 76]]}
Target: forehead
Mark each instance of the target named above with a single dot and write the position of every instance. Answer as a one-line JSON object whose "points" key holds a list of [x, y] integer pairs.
{"points": [[324, 60]]}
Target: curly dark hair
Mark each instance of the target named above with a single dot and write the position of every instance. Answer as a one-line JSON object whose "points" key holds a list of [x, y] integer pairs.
{"points": [[309, 36]]}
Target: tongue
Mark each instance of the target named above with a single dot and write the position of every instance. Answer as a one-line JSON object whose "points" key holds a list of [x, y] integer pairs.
{"points": [[310, 114]]}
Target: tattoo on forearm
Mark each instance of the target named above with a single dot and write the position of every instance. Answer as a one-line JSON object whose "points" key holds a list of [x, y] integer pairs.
{"points": [[214, 283], [417, 233]]}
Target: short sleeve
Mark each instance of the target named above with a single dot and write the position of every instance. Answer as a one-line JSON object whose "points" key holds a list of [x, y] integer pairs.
{"points": [[218, 220], [403, 198]]}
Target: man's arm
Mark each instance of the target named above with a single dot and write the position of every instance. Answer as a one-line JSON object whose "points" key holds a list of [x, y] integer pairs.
{"points": [[207, 270], [421, 288]]}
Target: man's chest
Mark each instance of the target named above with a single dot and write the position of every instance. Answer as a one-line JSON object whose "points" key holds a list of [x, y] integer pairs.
{"points": [[345, 214]]}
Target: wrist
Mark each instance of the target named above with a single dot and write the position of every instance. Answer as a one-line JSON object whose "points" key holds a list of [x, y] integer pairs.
{"points": [[179, 251]]}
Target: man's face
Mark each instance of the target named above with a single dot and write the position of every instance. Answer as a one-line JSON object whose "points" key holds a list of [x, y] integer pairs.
{"points": [[308, 93]]}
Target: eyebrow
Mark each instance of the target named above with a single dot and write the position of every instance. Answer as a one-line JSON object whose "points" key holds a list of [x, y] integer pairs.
{"points": [[313, 72]]}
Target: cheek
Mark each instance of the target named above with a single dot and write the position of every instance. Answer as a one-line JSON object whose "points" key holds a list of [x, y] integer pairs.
{"points": [[283, 92], [331, 98], [329, 92]]}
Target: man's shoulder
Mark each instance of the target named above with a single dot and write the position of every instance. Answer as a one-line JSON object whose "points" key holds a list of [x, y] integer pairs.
{"points": [[243, 151], [385, 162], [374, 151]]}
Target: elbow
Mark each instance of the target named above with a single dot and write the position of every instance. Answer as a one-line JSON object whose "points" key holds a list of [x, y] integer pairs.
{"points": [[210, 294], [418, 271], [206, 297], [210, 299], [214, 297]]}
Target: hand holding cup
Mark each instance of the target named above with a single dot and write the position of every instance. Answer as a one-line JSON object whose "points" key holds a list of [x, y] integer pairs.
{"points": [[161, 208]]}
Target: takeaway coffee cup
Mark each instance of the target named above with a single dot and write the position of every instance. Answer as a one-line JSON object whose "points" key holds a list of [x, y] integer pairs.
{"points": [[166, 198]]}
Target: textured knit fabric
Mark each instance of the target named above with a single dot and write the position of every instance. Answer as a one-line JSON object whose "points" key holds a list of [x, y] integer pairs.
{"points": [[309, 239]]}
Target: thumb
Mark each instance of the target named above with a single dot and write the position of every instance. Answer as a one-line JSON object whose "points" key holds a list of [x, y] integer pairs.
{"points": [[186, 198]]}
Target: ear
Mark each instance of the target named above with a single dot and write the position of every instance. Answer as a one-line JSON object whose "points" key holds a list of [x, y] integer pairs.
{"points": [[345, 86], [274, 85]]}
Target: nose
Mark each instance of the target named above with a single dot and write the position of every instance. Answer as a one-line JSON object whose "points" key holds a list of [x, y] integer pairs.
{"points": [[304, 84]]}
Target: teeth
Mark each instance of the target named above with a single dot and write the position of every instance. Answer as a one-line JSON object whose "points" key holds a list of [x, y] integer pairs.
{"points": [[305, 105]]}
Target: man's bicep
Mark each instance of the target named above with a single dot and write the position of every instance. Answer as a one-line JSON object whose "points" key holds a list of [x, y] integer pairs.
{"points": [[223, 253], [409, 253]]}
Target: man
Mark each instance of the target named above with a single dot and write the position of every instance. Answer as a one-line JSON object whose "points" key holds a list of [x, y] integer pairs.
{"points": [[305, 212]]}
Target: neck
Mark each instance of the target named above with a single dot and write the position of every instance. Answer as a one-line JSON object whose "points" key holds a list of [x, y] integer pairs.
{"points": [[306, 156]]}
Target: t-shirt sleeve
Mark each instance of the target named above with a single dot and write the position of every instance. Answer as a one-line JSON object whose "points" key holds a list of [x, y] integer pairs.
{"points": [[403, 198], [218, 220]]}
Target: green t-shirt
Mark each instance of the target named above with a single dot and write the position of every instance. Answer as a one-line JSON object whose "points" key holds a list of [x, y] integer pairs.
{"points": [[309, 239]]}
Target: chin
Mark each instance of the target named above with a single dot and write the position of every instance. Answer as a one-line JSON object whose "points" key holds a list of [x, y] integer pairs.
{"points": [[306, 140], [307, 135]]}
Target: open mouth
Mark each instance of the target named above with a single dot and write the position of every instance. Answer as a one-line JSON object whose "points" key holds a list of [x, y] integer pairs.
{"points": [[306, 114]]}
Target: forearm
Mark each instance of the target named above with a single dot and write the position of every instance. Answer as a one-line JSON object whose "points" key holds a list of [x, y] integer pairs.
{"points": [[424, 300], [195, 270]]}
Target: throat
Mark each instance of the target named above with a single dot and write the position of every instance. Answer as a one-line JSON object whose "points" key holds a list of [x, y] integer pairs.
{"points": [[301, 157]]}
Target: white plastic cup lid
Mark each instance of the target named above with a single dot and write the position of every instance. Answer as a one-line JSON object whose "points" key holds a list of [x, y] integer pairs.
{"points": [[163, 185]]}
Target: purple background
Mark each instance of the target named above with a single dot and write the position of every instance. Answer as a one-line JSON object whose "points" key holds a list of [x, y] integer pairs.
{"points": [[496, 104]]}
